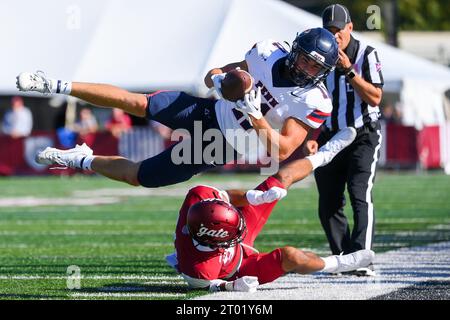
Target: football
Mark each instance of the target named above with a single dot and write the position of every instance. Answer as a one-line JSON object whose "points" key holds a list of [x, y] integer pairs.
{"points": [[236, 84]]}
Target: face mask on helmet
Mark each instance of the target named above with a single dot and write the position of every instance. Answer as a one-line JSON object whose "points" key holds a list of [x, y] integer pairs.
{"points": [[305, 64], [216, 223]]}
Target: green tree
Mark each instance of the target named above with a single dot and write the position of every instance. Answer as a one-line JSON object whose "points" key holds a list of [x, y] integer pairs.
{"points": [[418, 15], [424, 15]]}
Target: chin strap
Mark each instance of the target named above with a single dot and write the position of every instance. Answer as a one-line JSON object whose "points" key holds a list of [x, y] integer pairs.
{"points": [[249, 247]]}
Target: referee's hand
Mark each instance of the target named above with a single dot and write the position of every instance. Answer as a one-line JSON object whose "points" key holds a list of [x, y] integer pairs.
{"points": [[344, 61], [311, 147]]}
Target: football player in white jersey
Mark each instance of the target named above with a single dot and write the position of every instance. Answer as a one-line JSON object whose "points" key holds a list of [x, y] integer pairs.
{"points": [[290, 97], [288, 93]]}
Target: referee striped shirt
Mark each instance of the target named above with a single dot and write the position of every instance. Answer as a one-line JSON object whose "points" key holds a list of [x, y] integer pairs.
{"points": [[349, 110]]}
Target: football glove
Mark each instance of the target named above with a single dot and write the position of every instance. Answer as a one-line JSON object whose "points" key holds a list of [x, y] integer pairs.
{"points": [[217, 81], [257, 197], [246, 284], [251, 104]]}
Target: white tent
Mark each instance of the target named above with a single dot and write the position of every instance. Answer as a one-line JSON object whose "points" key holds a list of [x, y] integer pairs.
{"points": [[170, 44], [134, 44]]}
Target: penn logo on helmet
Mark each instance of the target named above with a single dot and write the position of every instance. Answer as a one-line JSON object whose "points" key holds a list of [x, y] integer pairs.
{"points": [[212, 233], [317, 56]]}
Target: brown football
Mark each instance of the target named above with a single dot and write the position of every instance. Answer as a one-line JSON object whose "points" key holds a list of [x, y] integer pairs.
{"points": [[236, 84]]}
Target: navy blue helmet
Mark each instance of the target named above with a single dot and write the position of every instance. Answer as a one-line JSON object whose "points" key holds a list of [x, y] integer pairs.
{"points": [[318, 45]]}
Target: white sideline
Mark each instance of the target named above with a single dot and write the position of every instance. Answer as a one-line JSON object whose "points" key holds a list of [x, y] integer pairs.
{"points": [[115, 195], [125, 295], [396, 269]]}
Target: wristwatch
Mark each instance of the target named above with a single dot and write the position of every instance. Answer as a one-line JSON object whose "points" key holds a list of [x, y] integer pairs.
{"points": [[350, 73]]}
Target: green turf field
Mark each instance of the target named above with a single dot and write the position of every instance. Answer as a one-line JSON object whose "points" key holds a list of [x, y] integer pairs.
{"points": [[119, 247]]}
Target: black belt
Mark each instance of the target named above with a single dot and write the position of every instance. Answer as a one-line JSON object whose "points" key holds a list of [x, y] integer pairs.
{"points": [[367, 127], [210, 118]]}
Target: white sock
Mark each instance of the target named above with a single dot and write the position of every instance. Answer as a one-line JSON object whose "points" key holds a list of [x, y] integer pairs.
{"points": [[87, 162], [331, 264], [61, 86], [316, 159]]}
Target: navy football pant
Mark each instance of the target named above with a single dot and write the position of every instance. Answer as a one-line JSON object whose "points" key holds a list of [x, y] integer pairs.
{"points": [[178, 110]]}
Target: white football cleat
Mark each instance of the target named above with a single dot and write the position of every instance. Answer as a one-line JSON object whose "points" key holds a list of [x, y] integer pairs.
{"points": [[38, 81], [337, 143], [354, 260], [70, 158], [368, 271]]}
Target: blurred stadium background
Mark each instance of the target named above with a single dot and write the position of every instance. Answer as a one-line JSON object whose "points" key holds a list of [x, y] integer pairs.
{"points": [[118, 235]]}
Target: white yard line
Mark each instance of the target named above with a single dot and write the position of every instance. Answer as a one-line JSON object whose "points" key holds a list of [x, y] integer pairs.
{"points": [[182, 190], [88, 244], [116, 195], [35, 201], [94, 277], [93, 222], [396, 270], [274, 221], [95, 233], [125, 295]]}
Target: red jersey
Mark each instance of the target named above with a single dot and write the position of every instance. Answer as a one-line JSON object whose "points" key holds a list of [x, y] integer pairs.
{"points": [[199, 264]]}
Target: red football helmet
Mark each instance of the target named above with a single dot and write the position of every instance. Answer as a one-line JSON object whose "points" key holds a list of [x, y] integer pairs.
{"points": [[216, 223]]}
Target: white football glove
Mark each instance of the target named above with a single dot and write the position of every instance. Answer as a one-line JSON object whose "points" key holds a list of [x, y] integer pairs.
{"points": [[217, 80], [257, 197], [251, 104], [246, 284]]}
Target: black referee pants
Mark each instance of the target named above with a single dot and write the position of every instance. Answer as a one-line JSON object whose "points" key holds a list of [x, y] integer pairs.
{"points": [[355, 167]]}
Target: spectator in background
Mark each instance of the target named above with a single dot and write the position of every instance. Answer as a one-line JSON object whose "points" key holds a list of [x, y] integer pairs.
{"points": [[162, 130], [163, 133], [18, 121], [86, 126], [120, 122]]}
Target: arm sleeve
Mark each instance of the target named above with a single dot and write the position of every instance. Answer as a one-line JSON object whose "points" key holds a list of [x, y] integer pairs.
{"points": [[212, 285], [315, 118], [261, 51], [312, 108], [372, 68], [196, 283], [312, 115]]}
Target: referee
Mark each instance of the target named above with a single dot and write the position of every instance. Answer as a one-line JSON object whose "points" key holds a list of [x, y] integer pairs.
{"points": [[356, 89]]}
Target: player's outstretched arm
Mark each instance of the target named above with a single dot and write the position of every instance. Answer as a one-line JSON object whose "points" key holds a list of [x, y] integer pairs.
{"points": [[241, 198], [243, 284], [299, 169], [293, 172], [237, 197], [208, 81], [280, 145]]}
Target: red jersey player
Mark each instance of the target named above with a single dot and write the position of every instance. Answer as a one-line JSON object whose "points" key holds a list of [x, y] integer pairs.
{"points": [[216, 231]]}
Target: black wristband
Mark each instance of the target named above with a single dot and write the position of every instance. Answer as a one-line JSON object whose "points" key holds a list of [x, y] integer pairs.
{"points": [[223, 286], [350, 73]]}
